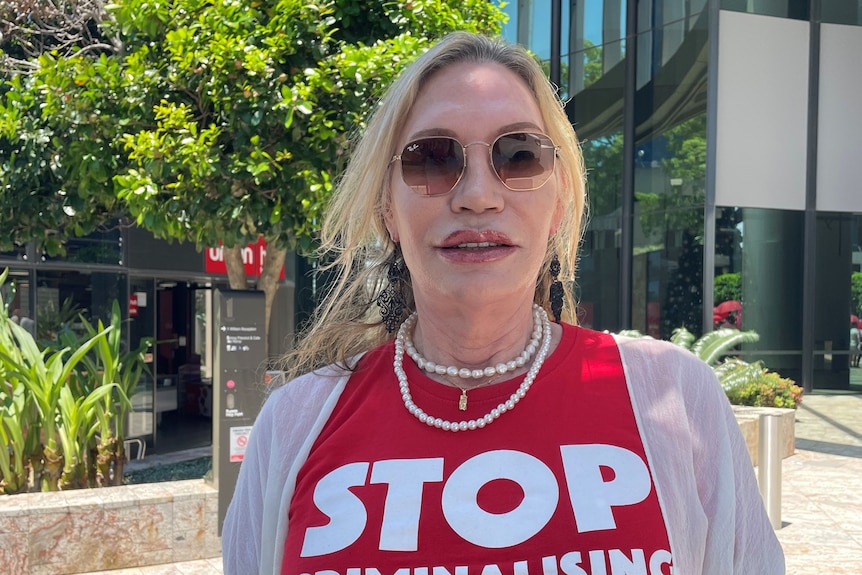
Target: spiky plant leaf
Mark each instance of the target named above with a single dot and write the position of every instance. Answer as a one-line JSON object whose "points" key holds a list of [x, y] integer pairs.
{"points": [[716, 344], [682, 337], [733, 372]]}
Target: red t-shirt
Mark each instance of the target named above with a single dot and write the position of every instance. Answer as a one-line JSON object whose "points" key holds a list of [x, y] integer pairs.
{"points": [[558, 486]]}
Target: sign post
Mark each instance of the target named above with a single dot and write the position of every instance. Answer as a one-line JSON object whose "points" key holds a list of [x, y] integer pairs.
{"points": [[238, 387]]}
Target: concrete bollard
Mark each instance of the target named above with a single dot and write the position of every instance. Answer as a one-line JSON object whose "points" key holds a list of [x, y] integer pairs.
{"points": [[769, 466]]}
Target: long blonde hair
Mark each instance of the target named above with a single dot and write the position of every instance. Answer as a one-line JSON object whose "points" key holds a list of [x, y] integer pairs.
{"points": [[354, 240]]}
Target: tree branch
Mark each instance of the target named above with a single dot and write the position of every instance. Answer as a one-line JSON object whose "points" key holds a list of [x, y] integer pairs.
{"points": [[30, 28]]}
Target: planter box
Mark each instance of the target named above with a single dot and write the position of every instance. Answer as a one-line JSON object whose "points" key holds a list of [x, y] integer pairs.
{"points": [[748, 419], [110, 528]]}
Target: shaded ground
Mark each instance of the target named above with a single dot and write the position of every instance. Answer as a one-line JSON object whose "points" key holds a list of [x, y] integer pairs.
{"points": [[175, 471]]}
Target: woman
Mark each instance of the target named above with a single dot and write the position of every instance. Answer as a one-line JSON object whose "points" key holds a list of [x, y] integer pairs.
{"points": [[484, 438]]}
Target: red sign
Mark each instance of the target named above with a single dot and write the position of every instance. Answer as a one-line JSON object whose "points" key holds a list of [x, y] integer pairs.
{"points": [[133, 305], [253, 256]]}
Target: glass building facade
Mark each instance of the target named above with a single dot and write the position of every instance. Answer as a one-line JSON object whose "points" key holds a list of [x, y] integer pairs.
{"points": [[165, 292], [719, 138]]}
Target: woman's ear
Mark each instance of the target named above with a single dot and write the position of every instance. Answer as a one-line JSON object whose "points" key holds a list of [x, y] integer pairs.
{"points": [[391, 228], [559, 209], [391, 225]]}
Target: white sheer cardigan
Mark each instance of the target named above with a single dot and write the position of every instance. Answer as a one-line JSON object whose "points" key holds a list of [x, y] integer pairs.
{"points": [[703, 475]]}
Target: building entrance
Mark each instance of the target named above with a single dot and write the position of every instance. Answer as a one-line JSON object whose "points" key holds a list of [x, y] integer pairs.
{"points": [[173, 404]]}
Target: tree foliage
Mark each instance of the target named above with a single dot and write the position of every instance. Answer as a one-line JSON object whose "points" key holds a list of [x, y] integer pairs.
{"points": [[728, 287], [212, 121], [218, 120]]}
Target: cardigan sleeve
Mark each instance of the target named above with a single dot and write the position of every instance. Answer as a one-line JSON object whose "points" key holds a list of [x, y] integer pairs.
{"points": [[255, 526], [704, 478]]}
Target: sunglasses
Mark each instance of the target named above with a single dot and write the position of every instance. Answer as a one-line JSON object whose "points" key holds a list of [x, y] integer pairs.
{"points": [[433, 166]]}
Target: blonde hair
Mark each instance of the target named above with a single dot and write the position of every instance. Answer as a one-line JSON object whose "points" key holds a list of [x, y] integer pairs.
{"points": [[354, 240]]}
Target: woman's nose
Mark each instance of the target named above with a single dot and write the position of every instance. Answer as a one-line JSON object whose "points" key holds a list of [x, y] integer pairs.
{"points": [[480, 189]]}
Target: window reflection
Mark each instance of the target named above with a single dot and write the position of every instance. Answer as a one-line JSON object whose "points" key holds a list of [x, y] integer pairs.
{"points": [[795, 9], [668, 255], [61, 296], [758, 263], [841, 12], [599, 268], [100, 247], [16, 297]]}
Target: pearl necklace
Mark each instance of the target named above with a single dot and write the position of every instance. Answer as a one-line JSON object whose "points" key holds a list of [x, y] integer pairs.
{"points": [[491, 370], [398, 365]]}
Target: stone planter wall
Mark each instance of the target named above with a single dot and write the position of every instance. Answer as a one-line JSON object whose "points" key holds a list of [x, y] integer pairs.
{"points": [[748, 419], [110, 528]]}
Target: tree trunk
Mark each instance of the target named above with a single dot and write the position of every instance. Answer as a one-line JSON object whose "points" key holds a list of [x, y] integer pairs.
{"points": [[235, 267], [268, 283]]}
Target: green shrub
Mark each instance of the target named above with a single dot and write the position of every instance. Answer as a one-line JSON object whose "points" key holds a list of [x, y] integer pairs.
{"points": [[728, 287], [856, 292], [768, 389], [744, 383]]}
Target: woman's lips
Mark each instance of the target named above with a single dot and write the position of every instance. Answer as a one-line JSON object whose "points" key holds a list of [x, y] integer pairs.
{"points": [[472, 239], [476, 252]]}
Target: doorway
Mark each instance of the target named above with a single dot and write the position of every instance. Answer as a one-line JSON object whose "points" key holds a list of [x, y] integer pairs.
{"points": [[173, 404]]}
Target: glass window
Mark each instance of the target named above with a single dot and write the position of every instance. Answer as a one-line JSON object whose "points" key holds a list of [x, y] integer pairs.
{"points": [[758, 283], [838, 297], [101, 247], [62, 295], [841, 12], [16, 296], [795, 9], [593, 73], [667, 277], [670, 172], [592, 43], [598, 281], [529, 25], [17, 253], [142, 322]]}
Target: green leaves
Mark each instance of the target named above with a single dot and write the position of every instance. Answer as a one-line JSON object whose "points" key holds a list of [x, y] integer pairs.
{"points": [[219, 120]]}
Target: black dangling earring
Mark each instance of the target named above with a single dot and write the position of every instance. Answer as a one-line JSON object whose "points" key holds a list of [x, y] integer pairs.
{"points": [[556, 291], [391, 299]]}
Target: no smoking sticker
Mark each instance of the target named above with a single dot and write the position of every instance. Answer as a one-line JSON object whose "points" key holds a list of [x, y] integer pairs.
{"points": [[238, 442]]}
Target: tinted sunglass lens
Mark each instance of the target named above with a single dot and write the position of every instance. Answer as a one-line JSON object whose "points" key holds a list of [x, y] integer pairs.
{"points": [[523, 161], [432, 166]]}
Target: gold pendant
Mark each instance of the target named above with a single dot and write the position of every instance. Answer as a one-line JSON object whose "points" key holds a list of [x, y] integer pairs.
{"points": [[462, 402]]}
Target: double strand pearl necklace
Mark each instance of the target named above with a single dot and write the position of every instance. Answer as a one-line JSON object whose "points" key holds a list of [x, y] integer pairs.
{"points": [[398, 365], [489, 372]]}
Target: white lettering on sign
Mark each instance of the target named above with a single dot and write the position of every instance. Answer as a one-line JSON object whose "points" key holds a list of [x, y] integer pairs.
{"points": [[496, 530], [405, 478], [592, 498], [346, 511], [594, 562], [217, 254]]}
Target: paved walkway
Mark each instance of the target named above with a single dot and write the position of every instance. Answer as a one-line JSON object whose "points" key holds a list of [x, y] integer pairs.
{"points": [[821, 503], [821, 500]]}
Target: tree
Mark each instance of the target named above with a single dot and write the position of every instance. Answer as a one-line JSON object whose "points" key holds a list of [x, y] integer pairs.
{"points": [[216, 121], [29, 28]]}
